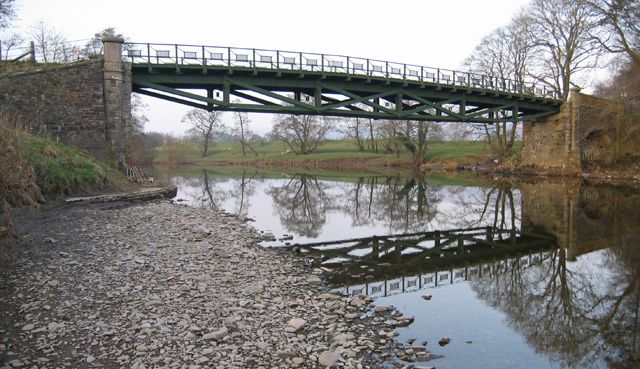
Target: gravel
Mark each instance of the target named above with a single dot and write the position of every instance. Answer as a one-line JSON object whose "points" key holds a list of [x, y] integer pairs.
{"points": [[165, 285]]}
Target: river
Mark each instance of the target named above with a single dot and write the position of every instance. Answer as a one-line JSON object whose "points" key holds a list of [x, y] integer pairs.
{"points": [[517, 273]]}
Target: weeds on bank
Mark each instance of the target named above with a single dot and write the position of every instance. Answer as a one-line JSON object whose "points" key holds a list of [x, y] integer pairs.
{"points": [[17, 179]]}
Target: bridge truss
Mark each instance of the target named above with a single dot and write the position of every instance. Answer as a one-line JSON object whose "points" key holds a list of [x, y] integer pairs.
{"points": [[273, 81]]}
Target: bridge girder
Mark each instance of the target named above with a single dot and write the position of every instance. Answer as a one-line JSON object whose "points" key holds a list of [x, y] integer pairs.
{"points": [[339, 95]]}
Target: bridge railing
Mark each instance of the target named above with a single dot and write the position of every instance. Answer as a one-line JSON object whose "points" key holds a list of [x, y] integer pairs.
{"points": [[279, 60]]}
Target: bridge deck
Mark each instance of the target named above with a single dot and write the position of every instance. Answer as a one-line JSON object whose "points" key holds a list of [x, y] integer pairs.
{"points": [[256, 80]]}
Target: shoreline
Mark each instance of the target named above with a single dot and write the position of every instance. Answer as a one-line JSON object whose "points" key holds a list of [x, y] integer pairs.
{"points": [[162, 284], [450, 167]]}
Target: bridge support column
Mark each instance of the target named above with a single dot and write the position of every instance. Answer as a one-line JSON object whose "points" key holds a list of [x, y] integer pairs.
{"points": [[116, 82], [551, 143]]}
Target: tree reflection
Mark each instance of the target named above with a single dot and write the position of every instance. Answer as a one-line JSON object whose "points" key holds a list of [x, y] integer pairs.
{"points": [[585, 311], [495, 206], [302, 204], [242, 193], [360, 200], [203, 190]]}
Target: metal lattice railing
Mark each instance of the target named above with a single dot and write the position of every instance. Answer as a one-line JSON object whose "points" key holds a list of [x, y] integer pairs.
{"points": [[278, 60]]}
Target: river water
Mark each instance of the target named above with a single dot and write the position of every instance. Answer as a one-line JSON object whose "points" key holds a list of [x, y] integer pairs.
{"points": [[517, 273]]}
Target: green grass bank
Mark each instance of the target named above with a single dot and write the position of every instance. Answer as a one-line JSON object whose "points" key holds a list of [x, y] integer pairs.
{"points": [[329, 154]]}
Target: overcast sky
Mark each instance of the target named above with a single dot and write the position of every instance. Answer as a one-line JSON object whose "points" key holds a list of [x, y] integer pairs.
{"points": [[430, 33]]}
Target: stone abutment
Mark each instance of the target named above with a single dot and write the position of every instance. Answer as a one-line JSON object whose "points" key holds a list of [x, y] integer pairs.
{"points": [[85, 104]]}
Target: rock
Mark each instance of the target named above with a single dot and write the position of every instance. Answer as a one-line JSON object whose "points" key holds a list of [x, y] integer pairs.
{"points": [[28, 327], [427, 297], [297, 324], [54, 326], [90, 359], [343, 338], [217, 335], [297, 361], [284, 354], [327, 296], [444, 341], [382, 308], [329, 358], [314, 279], [261, 345], [16, 363]]}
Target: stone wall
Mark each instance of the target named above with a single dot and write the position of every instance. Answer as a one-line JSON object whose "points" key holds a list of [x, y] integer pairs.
{"points": [[549, 144], [587, 131], [82, 105]]}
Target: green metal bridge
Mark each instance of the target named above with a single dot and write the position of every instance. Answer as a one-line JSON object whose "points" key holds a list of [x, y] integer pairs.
{"points": [[285, 82]]}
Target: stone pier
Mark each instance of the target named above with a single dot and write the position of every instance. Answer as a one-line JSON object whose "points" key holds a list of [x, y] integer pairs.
{"points": [[85, 104]]}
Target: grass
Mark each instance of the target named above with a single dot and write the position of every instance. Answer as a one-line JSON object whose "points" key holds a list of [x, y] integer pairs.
{"points": [[63, 169], [333, 153]]}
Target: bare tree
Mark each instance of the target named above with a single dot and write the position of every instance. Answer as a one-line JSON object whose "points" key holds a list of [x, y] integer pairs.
{"points": [[243, 132], [302, 133], [504, 53], [355, 129], [415, 137], [620, 20], [138, 116], [562, 31], [206, 125], [8, 43], [6, 12], [389, 135], [51, 45]]}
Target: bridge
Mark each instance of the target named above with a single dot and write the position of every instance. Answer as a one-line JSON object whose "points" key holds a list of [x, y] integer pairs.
{"points": [[288, 82], [97, 115]]}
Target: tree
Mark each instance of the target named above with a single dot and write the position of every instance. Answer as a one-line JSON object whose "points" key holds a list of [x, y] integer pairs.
{"points": [[6, 12], [95, 46], [620, 20], [242, 131], [206, 125], [138, 116], [8, 42], [414, 138], [51, 45], [356, 130], [302, 133], [562, 32], [504, 53]]}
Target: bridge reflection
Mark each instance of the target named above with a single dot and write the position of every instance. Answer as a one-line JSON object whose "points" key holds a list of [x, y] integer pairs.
{"points": [[384, 265], [441, 278]]}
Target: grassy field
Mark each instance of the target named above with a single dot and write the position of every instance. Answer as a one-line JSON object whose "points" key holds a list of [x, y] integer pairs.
{"points": [[334, 153]]}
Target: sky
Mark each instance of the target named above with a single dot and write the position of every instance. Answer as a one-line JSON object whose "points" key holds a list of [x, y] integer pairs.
{"points": [[430, 33]]}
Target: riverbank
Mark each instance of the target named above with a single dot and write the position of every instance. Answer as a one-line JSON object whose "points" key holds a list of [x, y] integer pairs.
{"points": [[332, 154], [160, 284]]}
